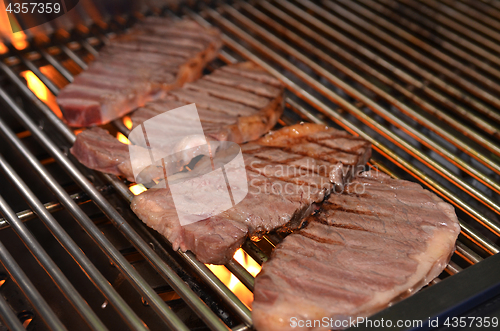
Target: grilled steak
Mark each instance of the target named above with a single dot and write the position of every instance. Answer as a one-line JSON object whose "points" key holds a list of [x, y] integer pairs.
{"points": [[380, 241], [158, 55], [97, 149], [235, 108], [250, 106], [287, 171]]}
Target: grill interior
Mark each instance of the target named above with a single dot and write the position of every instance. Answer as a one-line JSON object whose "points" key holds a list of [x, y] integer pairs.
{"points": [[419, 80]]}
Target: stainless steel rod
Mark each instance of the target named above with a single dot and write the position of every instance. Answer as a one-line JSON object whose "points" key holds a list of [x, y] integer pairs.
{"points": [[483, 8], [349, 56], [226, 294], [59, 125], [491, 224], [436, 28], [154, 300], [9, 317], [467, 253], [45, 261], [51, 207], [430, 49], [74, 57], [214, 283], [50, 85], [469, 86], [452, 268], [241, 273], [56, 64], [346, 124], [85, 44], [466, 9], [463, 20], [241, 327], [413, 67], [73, 250], [480, 240], [380, 110], [34, 297]]}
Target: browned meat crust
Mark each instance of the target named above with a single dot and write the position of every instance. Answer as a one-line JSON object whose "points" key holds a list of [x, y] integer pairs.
{"points": [[287, 172], [380, 241], [158, 55], [221, 119]]}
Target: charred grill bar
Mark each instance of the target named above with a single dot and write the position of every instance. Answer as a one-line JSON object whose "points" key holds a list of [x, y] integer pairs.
{"points": [[403, 75]]}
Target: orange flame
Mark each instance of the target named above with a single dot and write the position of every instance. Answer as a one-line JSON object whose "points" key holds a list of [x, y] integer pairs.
{"points": [[3, 48], [137, 189], [127, 121], [41, 91], [232, 282], [17, 39], [121, 137]]}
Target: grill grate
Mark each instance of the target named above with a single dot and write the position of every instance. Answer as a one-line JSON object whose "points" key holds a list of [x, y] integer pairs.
{"points": [[403, 75]]}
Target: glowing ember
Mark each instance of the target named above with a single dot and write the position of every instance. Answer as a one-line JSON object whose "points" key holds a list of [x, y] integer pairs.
{"points": [[247, 262], [127, 122], [122, 138], [41, 91], [232, 282], [3, 48], [137, 189], [36, 85], [19, 40]]}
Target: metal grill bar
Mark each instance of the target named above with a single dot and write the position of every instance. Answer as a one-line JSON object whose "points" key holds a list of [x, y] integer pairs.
{"points": [[483, 7], [8, 317], [474, 89], [416, 69], [153, 299], [441, 30], [229, 297], [51, 207], [463, 18], [226, 294], [427, 47], [473, 135], [233, 302], [51, 267], [491, 225], [72, 248], [463, 251], [349, 126], [374, 106], [34, 297]]}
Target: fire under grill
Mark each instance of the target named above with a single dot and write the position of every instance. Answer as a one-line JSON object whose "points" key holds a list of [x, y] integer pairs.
{"points": [[419, 79]]}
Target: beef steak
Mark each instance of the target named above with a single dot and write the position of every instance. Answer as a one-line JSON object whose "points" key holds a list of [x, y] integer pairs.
{"points": [[284, 180], [378, 242], [158, 55], [242, 113]]}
